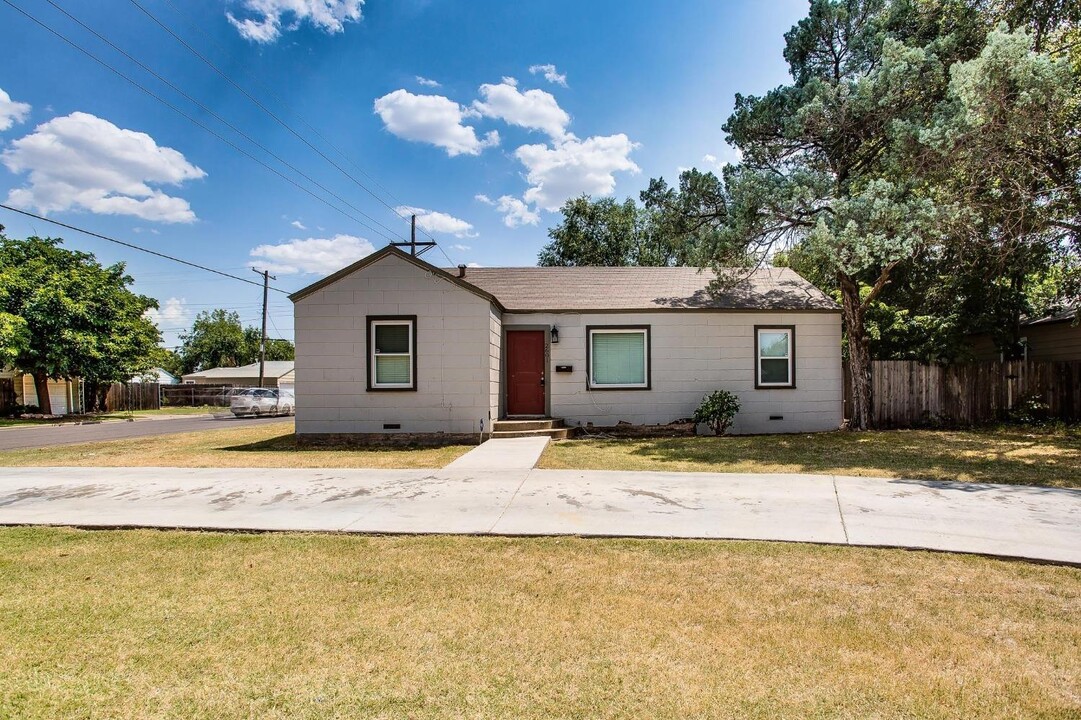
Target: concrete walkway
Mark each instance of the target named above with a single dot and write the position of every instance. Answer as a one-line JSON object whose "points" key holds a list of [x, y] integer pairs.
{"points": [[502, 454], [1013, 521]]}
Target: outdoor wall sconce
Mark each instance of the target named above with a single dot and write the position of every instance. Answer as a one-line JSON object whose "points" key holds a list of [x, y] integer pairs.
{"points": [[555, 335]]}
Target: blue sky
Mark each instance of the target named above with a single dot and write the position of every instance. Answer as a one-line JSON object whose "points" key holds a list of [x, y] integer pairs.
{"points": [[481, 116]]}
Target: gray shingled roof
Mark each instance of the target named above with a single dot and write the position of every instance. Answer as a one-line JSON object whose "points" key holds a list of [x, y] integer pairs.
{"points": [[531, 289]]}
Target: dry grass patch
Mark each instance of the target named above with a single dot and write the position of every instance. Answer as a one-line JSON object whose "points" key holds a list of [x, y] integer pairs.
{"points": [[140, 624], [1001, 455], [270, 445]]}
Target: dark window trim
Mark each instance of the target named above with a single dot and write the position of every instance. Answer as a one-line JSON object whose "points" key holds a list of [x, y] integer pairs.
{"points": [[369, 351], [791, 385], [589, 357]]}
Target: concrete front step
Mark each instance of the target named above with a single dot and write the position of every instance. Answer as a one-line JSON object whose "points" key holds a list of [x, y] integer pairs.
{"points": [[530, 424], [560, 433]]}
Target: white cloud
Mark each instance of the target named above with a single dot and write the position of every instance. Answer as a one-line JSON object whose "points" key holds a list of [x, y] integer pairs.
{"points": [[474, 265], [173, 313], [533, 109], [298, 225], [82, 161], [439, 222], [463, 248], [572, 167], [11, 112], [515, 212], [427, 83], [432, 119], [550, 74], [140, 230], [313, 255], [264, 23], [729, 155]]}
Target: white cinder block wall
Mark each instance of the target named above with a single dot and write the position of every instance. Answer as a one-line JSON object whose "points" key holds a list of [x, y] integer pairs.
{"points": [[693, 354], [455, 354]]}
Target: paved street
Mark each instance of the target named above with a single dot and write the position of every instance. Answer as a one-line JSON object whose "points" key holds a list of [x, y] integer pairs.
{"points": [[1013, 521], [31, 436]]}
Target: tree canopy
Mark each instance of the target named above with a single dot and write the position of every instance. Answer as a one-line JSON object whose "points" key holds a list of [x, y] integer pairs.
{"points": [[64, 315], [218, 339], [922, 165]]}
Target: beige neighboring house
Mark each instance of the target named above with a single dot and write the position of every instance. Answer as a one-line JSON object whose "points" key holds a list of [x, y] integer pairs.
{"points": [[243, 376], [65, 396], [392, 344]]}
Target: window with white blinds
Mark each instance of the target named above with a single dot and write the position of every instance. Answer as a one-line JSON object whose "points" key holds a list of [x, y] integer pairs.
{"points": [[619, 358]]}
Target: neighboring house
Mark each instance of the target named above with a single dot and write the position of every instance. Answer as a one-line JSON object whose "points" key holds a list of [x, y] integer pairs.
{"points": [[158, 375], [65, 396], [392, 344], [243, 376], [288, 381], [1052, 337]]}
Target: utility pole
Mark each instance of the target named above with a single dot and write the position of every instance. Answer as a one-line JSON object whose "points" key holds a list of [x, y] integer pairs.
{"points": [[413, 244], [267, 277]]}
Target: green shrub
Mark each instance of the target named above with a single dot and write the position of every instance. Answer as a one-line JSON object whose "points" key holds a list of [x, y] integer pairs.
{"points": [[717, 411], [1030, 410]]}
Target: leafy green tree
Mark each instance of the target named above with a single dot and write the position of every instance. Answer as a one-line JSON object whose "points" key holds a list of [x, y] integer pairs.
{"points": [[604, 232], [14, 338], [903, 120], [218, 339], [78, 318]]}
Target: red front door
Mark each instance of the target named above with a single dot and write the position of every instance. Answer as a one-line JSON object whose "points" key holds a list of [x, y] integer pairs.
{"points": [[525, 372]]}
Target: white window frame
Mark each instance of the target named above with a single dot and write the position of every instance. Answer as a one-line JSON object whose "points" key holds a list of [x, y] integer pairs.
{"points": [[791, 333], [641, 329], [375, 384]]}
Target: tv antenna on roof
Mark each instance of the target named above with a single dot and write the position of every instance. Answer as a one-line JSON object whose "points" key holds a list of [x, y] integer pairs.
{"points": [[412, 244]]}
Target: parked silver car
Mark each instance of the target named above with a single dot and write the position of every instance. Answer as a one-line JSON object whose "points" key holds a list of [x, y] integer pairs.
{"points": [[262, 401]]}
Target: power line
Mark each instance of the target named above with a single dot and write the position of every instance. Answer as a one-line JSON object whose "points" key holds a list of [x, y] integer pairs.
{"points": [[186, 116], [281, 122], [282, 103], [136, 247], [224, 121], [260, 105]]}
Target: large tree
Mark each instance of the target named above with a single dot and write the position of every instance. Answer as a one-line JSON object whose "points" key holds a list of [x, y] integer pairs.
{"points": [[604, 232], [900, 141], [218, 339], [71, 316]]}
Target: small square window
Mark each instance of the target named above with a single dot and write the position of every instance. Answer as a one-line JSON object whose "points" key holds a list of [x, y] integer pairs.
{"points": [[775, 357], [392, 353]]}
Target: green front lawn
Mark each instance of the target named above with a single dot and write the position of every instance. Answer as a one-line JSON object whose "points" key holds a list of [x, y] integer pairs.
{"points": [[999, 455], [139, 624]]}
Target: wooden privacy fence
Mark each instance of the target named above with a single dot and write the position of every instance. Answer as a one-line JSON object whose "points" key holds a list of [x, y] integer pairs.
{"points": [[132, 396], [195, 395], [909, 393]]}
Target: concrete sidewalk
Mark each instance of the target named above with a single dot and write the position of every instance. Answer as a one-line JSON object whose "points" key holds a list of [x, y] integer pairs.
{"points": [[1012, 521], [502, 454]]}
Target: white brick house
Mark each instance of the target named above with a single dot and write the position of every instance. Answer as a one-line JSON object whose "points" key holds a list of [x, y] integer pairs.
{"points": [[392, 344]]}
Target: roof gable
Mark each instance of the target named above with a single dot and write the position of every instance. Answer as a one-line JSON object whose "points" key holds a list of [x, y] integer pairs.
{"points": [[388, 251]]}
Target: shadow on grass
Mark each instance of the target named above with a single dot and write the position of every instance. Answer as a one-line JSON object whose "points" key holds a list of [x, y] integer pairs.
{"points": [[992, 456]]}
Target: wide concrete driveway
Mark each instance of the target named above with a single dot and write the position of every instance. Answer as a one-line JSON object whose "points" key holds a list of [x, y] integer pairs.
{"points": [[33, 436], [1013, 521]]}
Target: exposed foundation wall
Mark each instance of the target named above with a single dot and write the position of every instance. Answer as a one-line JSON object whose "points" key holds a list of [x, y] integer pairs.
{"points": [[693, 354], [454, 355]]}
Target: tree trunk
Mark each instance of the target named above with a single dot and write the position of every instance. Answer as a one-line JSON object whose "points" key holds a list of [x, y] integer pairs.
{"points": [[859, 358], [41, 387]]}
